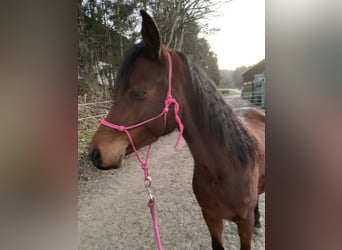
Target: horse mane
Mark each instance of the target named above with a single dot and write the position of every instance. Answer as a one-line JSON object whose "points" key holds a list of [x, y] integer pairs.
{"points": [[220, 117]]}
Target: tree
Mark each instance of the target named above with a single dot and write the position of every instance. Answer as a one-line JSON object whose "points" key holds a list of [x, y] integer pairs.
{"points": [[200, 53], [176, 17], [232, 78], [103, 27], [107, 28]]}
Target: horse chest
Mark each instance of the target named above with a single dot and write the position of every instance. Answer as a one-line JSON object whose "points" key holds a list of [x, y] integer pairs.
{"points": [[224, 196]]}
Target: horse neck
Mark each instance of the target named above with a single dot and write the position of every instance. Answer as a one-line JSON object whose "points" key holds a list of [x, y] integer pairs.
{"points": [[211, 129], [198, 133]]}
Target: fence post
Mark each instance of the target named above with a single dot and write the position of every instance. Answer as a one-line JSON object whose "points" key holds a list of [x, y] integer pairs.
{"points": [[263, 94]]}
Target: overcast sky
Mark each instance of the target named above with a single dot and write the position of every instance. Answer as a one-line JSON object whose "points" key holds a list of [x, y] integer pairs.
{"points": [[241, 40]]}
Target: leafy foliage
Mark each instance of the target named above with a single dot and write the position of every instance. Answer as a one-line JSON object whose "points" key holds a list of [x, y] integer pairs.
{"points": [[232, 78]]}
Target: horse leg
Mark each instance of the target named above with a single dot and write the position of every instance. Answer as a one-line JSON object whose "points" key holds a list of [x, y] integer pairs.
{"points": [[215, 226], [257, 216], [245, 229]]}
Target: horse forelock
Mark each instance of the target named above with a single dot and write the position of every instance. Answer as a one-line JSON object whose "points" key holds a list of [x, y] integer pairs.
{"points": [[215, 113], [126, 64]]}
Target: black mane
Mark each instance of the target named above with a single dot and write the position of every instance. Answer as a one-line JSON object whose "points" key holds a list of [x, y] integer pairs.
{"points": [[219, 116]]}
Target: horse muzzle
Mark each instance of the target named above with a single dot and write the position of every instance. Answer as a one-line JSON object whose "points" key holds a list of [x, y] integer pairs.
{"points": [[107, 149], [96, 159]]}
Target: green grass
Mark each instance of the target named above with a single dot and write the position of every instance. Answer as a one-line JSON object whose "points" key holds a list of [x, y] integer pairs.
{"points": [[89, 135], [84, 140]]}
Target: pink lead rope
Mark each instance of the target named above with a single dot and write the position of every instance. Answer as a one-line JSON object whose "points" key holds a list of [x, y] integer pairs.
{"points": [[144, 164]]}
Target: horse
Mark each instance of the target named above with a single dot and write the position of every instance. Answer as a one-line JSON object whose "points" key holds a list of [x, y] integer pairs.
{"points": [[228, 147]]}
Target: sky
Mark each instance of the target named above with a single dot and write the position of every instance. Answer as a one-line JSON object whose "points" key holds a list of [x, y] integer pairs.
{"points": [[241, 39]]}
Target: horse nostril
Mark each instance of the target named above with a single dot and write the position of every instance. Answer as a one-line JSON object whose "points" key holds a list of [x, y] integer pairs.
{"points": [[96, 157]]}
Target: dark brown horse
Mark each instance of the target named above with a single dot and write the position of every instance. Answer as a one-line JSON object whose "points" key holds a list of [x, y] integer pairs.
{"points": [[228, 147]]}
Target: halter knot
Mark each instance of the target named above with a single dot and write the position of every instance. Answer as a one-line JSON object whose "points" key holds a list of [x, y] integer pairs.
{"points": [[144, 165], [169, 100], [166, 109], [121, 128]]}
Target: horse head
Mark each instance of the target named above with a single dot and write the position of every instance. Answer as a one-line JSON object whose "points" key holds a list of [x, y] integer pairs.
{"points": [[139, 94]]}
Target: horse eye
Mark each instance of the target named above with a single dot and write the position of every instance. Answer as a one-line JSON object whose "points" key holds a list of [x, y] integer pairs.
{"points": [[139, 95]]}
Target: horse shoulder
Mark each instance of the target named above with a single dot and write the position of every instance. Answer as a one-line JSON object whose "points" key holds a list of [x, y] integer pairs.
{"points": [[254, 121]]}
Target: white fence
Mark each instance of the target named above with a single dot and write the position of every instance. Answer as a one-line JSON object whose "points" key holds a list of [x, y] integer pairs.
{"points": [[254, 98]]}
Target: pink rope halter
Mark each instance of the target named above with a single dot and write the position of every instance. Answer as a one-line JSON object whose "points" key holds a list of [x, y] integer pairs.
{"points": [[169, 100]]}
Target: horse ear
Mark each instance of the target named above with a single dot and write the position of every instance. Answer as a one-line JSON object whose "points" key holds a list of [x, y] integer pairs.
{"points": [[150, 35]]}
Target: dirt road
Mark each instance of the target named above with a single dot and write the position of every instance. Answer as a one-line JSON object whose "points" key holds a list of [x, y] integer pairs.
{"points": [[113, 213]]}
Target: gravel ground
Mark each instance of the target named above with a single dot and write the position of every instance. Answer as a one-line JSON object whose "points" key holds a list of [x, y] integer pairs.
{"points": [[112, 207]]}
